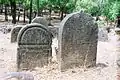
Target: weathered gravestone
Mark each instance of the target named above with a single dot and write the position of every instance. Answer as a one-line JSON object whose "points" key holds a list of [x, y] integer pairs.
{"points": [[14, 33], [40, 20], [77, 41], [43, 21], [34, 46]]}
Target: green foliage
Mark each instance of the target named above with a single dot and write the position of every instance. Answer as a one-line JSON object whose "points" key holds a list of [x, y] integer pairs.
{"points": [[66, 6], [70, 6], [26, 4], [39, 4], [112, 10], [108, 8], [4, 1], [90, 6]]}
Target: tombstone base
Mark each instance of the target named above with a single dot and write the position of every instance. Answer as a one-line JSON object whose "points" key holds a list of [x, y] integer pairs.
{"points": [[29, 59], [64, 67], [83, 58]]}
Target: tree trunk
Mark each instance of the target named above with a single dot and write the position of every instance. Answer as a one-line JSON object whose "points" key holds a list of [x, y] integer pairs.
{"points": [[18, 15], [118, 22], [6, 17], [40, 13], [50, 17], [38, 9], [30, 11], [24, 16], [1, 11], [62, 14], [35, 13], [59, 13], [19, 12], [97, 18], [13, 11]]}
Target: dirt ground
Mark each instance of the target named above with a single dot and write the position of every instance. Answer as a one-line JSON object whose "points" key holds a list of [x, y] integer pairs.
{"points": [[106, 68]]}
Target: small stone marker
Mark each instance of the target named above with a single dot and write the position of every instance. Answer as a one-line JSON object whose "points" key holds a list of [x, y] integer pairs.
{"points": [[14, 33], [102, 35], [77, 41], [117, 30], [40, 20], [34, 46]]}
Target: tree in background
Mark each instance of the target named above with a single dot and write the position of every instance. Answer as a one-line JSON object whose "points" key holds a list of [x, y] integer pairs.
{"points": [[65, 6], [30, 11], [107, 8], [5, 3], [13, 10], [26, 6], [111, 9], [39, 6]]}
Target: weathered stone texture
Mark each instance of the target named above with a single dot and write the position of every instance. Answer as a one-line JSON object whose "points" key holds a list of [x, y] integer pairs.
{"points": [[14, 33], [77, 41], [34, 46], [102, 35], [40, 20]]}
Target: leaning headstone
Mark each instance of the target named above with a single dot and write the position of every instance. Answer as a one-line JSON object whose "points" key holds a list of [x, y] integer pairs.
{"points": [[77, 41], [14, 33], [40, 20], [34, 47]]}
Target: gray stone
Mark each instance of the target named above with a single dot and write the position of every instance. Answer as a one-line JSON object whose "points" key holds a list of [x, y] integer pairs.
{"points": [[117, 30], [18, 75], [102, 35], [77, 41], [43, 21], [40, 20], [14, 33], [54, 31], [34, 46]]}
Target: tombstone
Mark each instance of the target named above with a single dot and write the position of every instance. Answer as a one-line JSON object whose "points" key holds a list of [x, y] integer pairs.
{"points": [[14, 33], [34, 47], [43, 21], [103, 35], [40, 20], [77, 41]]}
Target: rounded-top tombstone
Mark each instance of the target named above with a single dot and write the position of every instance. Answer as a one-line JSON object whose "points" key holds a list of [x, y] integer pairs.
{"points": [[40, 20], [43, 21], [34, 46], [77, 41], [14, 33]]}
